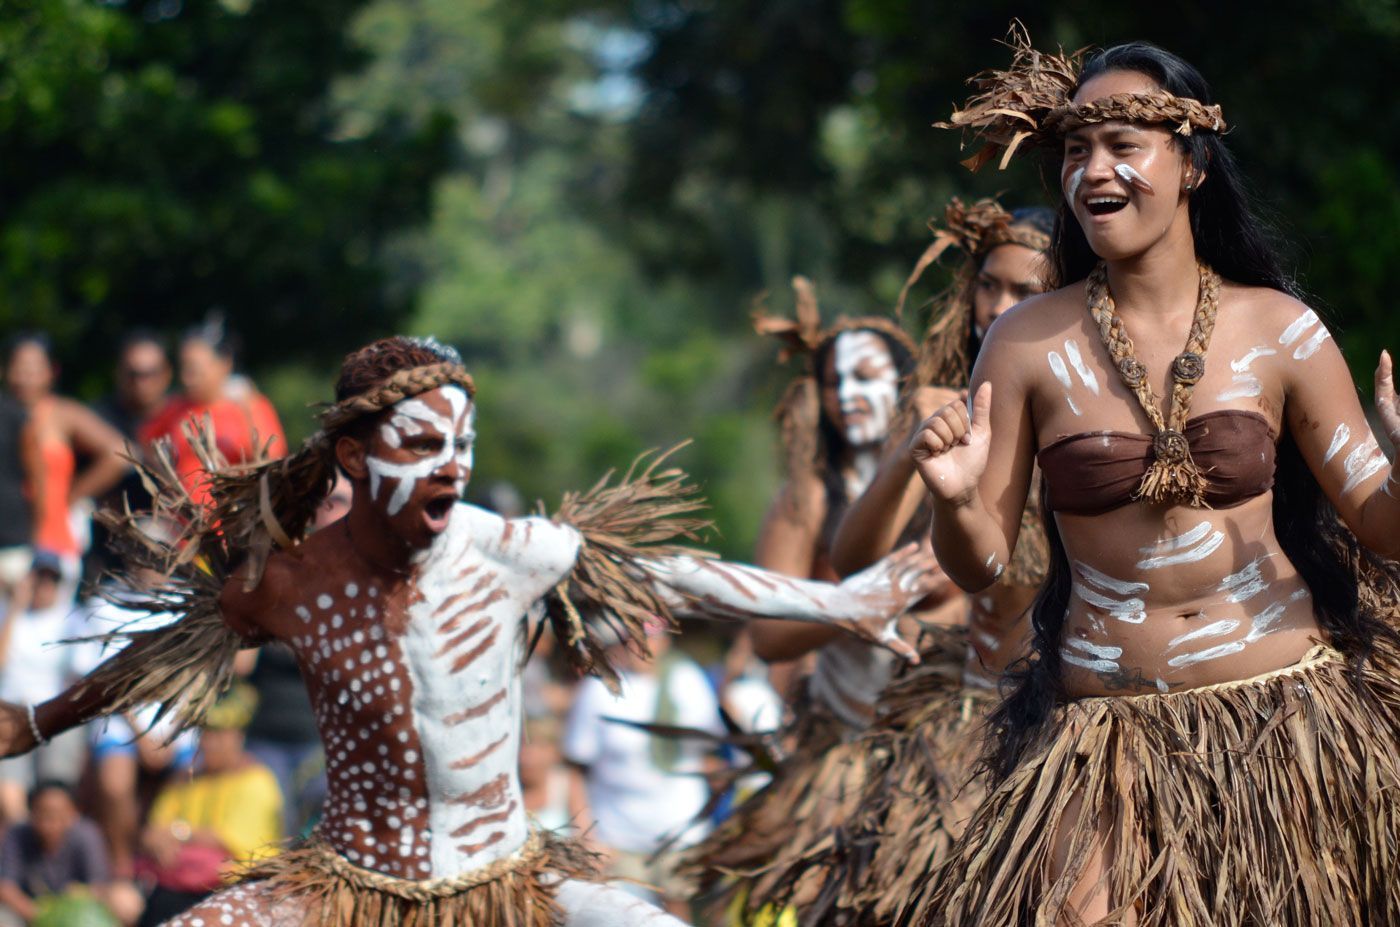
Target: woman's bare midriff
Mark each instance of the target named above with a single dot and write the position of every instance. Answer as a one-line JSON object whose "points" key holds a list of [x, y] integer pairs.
{"points": [[1165, 601]]}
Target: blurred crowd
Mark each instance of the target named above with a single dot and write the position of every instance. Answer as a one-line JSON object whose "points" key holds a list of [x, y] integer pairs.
{"points": [[127, 822]]}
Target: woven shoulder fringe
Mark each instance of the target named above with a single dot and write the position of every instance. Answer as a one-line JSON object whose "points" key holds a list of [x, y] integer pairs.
{"points": [[807, 840], [1274, 800], [516, 891]]}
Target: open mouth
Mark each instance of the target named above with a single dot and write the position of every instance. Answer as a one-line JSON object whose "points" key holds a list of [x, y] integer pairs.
{"points": [[1104, 205], [437, 511]]}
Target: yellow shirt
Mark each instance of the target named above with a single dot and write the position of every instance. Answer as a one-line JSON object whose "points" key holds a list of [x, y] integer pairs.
{"points": [[243, 807]]}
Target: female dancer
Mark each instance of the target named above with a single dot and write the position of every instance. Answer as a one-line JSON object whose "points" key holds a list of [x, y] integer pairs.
{"points": [[921, 754], [408, 617], [63, 429], [832, 420], [1208, 734]]}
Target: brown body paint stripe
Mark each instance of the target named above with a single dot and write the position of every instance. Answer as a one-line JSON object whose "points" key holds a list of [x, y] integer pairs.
{"points": [[496, 595], [506, 532], [497, 818], [451, 624], [471, 656], [754, 577], [470, 848], [467, 762], [490, 795], [724, 575], [473, 713], [462, 638], [451, 601]]}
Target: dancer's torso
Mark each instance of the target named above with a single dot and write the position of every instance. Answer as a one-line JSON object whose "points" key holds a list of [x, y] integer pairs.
{"points": [[1165, 597], [417, 694]]}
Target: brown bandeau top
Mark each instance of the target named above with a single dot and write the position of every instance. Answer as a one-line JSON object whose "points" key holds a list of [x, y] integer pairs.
{"points": [[1095, 472]]}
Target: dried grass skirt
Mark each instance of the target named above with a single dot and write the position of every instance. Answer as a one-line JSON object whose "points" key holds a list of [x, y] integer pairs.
{"points": [[1268, 801], [839, 826]]}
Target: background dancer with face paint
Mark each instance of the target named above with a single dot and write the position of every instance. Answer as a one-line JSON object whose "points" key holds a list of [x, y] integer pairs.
{"points": [[408, 617], [832, 420], [921, 754], [1210, 730]]}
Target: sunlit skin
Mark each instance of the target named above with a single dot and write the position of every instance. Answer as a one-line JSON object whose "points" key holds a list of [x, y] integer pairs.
{"points": [[979, 476], [998, 617], [204, 372]]}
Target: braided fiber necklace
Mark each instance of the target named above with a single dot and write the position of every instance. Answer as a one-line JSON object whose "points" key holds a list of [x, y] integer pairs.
{"points": [[1173, 476]]}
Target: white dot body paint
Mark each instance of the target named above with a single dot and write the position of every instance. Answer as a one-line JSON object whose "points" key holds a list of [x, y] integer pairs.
{"points": [[1075, 179], [1129, 175], [1118, 598], [1297, 328], [410, 415], [1197, 544], [1076, 360], [1340, 438], [1243, 383], [858, 355]]}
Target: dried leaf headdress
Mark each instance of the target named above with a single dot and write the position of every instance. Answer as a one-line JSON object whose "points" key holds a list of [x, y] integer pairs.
{"points": [[1031, 102], [798, 413]]}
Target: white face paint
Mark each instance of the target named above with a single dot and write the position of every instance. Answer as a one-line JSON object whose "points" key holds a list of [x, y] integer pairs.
{"points": [[1072, 192], [1197, 544], [1243, 383], [867, 386], [413, 417], [1129, 175]]}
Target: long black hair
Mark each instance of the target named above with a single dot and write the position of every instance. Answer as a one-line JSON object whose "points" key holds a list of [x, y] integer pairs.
{"points": [[1242, 248]]}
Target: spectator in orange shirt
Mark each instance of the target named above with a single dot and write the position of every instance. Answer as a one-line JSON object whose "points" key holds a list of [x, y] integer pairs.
{"points": [[244, 421]]}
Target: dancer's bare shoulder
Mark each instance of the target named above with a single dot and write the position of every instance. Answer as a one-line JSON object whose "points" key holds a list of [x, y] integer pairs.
{"points": [[534, 545]]}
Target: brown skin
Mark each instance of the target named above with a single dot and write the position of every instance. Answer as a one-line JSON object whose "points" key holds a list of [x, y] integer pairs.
{"points": [[204, 372], [143, 379], [979, 474], [30, 378], [873, 524]]}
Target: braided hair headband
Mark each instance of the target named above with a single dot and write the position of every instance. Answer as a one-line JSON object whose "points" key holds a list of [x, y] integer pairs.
{"points": [[1031, 102], [400, 386]]}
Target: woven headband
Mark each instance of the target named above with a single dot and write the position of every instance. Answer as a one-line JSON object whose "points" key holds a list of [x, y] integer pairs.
{"points": [[1031, 102], [400, 386], [804, 334]]}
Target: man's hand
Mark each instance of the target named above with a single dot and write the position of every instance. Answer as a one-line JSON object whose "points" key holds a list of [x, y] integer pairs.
{"points": [[16, 737], [885, 591]]}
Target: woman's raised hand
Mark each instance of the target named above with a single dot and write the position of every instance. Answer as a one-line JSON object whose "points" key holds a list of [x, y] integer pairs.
{"points": [[950, 448], [1387, 403]]}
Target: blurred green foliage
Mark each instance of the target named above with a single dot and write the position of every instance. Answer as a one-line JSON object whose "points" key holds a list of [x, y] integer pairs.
{"points": [[625, 177]]}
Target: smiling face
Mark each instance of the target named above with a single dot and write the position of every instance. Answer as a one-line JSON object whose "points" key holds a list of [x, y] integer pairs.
{"points": [[1124, 182], [860, 387], [417, 460]]}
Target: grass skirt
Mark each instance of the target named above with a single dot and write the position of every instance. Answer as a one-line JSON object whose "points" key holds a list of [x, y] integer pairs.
{"points": [[516, 891], [1272, 800], [809, 839]]}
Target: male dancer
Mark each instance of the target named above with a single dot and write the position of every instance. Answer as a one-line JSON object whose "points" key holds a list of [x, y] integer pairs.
{"points": [[407, 618]]}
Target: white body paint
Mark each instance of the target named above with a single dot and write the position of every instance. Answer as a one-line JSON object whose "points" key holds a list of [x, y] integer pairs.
{"points": [[1214, 629], [1340, 438], [1246, 584], [1243, 383], [1297, 327], [1309, 348], [1363, 463], [1061, 372], [866, 382], [1119, 599], [1197, 544], [1261, 626], [1076, 360], [459, 432], [848, 678]]}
